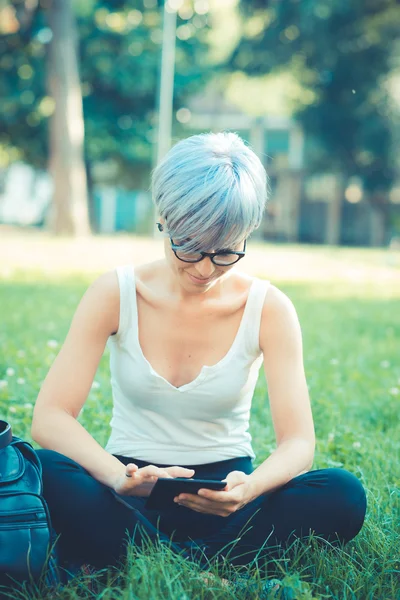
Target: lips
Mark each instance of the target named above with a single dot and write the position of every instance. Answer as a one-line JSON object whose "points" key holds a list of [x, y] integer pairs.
{"points": [[198, 280]]}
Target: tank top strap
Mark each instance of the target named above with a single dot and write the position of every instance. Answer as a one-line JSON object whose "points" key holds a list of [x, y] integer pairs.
{"points": [[252, 315], [127, 302]]}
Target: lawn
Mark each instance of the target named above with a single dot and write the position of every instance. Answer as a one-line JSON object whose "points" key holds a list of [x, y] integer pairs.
{"points": [[351, 328]]}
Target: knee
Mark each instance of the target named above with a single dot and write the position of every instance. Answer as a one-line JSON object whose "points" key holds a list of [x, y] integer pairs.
{"points": [[345, 486], [349, 496], [340, 500], [52, 460], [55, 466]]}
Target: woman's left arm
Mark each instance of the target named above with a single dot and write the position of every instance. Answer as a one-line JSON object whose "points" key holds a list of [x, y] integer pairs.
{"points": [[281, 343]]}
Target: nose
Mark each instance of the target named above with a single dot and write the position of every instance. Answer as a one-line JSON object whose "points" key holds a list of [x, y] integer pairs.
{"points": [[205, 268]]}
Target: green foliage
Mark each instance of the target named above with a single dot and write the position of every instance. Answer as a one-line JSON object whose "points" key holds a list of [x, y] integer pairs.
{"points": [[23, 123], [341, 52], [120, 54], [350, 339]]}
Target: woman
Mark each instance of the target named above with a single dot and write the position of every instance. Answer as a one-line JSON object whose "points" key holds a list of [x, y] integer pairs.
{"points": [[187, 336]]}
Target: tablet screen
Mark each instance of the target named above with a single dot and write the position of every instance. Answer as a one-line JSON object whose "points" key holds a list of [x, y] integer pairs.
{"points": [[166, 489]]}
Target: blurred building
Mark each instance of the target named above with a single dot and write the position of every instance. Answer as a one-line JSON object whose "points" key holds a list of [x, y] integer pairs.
{"points": [[303, 207], [278, 142], [24, 195]]}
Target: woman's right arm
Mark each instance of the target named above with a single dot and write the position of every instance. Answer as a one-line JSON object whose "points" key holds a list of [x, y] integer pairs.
{"points": [[68, 382], [66, 388]]}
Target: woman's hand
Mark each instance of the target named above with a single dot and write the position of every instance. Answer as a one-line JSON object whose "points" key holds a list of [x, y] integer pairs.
{"points": [[139, 482], [234, 496]]}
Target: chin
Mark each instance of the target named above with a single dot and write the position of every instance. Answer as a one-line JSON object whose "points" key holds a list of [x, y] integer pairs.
{"points": [[195, 282]]}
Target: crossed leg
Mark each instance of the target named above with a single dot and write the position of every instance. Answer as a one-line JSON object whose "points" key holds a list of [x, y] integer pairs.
{"points": [[330, 503], [95, 524]]}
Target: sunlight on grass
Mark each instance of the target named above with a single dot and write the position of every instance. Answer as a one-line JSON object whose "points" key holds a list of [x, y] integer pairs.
{"points": [[351, 331], [36, 255]]}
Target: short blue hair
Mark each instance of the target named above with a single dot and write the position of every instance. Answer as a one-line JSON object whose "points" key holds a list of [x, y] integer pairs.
{"points": [[211, 189]]}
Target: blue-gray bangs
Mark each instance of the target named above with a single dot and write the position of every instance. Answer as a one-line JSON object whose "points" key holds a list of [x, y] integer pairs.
{"points": [[211, 189]]}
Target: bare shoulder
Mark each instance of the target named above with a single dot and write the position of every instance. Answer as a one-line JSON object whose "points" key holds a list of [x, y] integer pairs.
{"points": [[102, 300], [279, 318], [105, 288], [107, 285], [277, 303]]}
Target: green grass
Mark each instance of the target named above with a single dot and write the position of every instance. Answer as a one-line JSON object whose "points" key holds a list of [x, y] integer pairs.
{"points": [[351, 334]]}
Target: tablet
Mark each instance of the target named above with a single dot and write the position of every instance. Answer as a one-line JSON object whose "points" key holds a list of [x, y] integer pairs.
{"points": [[165, 490]]}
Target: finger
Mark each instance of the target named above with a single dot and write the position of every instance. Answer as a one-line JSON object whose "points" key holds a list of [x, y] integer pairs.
{"points": [[131, 468], [152, 473], [224, 500], [180, 472], [163, 473], [189, 503], [213, 495], [195, 499], [202, 507], [235, 478]]}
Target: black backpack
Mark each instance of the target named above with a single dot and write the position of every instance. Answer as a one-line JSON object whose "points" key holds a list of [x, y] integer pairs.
{"points": [[27, 540]]}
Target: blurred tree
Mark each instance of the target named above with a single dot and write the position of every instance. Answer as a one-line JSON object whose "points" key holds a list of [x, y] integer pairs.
{"points": [[119, 51], [33, 94], [25, 109], [120, 61], [69, 210], [341, 54]]}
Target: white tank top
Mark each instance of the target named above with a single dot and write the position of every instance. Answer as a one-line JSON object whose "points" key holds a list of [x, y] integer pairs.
{"points": [[204, 421]]}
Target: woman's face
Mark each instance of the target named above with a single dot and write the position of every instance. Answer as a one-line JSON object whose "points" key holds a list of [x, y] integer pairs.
{"points": [[199, 276]]}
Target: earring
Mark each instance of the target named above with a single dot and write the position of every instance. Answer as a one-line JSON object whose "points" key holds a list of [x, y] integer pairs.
{"points": [[160, 227]]}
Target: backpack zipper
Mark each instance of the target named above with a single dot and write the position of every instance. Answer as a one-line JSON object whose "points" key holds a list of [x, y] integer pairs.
{"points": [[22, 517]]}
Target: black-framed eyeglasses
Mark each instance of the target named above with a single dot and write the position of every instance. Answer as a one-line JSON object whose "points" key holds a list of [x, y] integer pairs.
{"points": [[223, 258]]}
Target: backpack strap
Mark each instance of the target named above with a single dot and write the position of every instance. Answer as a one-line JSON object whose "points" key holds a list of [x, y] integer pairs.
{"points": [[5, 434]]}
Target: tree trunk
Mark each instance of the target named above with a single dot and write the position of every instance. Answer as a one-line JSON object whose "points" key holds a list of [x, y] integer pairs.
{"points": [[69, 210], [379, 218], [334, 216], [94, 225]]}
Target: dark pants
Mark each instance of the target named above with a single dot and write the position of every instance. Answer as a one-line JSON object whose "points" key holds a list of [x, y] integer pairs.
{"points": [[95, 523]]}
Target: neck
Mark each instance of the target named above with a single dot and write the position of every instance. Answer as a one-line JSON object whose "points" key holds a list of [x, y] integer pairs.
{"points": [[180, 288]]}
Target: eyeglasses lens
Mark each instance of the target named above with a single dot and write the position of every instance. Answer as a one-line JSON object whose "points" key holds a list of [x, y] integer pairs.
{"points": [[188, 256], [225, 259], [222, 260]]}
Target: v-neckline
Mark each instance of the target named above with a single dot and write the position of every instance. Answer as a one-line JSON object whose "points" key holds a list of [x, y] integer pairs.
{"points": [[205, 368]]}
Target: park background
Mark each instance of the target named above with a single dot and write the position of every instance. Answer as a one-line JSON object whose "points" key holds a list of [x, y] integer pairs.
{"points": [[88, 108]]}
